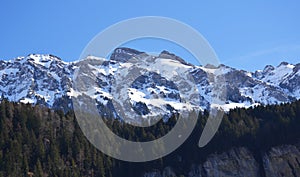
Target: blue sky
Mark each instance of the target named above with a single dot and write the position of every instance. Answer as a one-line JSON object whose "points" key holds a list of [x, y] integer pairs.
{"points": [[245, 35]]}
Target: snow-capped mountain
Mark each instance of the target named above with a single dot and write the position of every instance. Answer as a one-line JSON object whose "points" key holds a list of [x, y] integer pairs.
{"points": [[47, 80], [36, 79]]}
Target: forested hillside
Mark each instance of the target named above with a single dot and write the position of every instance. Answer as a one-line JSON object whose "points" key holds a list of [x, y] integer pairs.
{"points": [[43, 142]]}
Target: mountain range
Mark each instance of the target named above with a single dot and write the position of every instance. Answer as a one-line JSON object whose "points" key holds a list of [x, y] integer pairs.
{"points": [[48, 80]]}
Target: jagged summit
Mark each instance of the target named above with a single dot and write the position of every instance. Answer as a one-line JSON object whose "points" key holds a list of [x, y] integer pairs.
{"points": [[122, 54], [168, 55], [284, 63]]}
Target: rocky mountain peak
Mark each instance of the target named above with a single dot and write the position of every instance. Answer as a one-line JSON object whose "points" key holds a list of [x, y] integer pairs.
{"points": [[268, 68], [210, 66], [123, 54], [284, 63], [168, 55]]}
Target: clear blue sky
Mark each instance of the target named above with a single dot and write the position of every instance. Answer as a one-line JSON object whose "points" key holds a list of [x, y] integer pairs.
{"points": [[246, 35]]}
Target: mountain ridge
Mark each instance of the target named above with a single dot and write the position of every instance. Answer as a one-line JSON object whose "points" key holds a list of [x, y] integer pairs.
{"points": [[47, 80]]}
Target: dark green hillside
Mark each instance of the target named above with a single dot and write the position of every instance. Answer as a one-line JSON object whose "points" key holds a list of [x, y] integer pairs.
{"points": [[46, 142]]}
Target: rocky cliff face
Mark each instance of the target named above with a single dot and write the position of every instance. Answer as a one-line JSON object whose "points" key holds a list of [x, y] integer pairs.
{"points": [[236, 162], [282, 161], [240, 162]]}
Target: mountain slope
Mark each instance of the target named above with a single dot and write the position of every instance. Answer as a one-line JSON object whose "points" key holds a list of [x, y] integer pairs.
{"points": [[47, 80]]}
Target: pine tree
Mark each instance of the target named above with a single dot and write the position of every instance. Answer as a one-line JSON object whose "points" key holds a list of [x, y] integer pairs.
{"points": [[38, 170]]}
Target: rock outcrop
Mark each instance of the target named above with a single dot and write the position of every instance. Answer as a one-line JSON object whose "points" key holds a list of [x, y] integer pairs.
{"points": [[240, 162]]}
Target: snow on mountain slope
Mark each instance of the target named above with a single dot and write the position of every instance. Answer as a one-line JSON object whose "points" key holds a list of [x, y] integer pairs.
{"points": [[47, 80], [37, 79], [274, 76]]}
